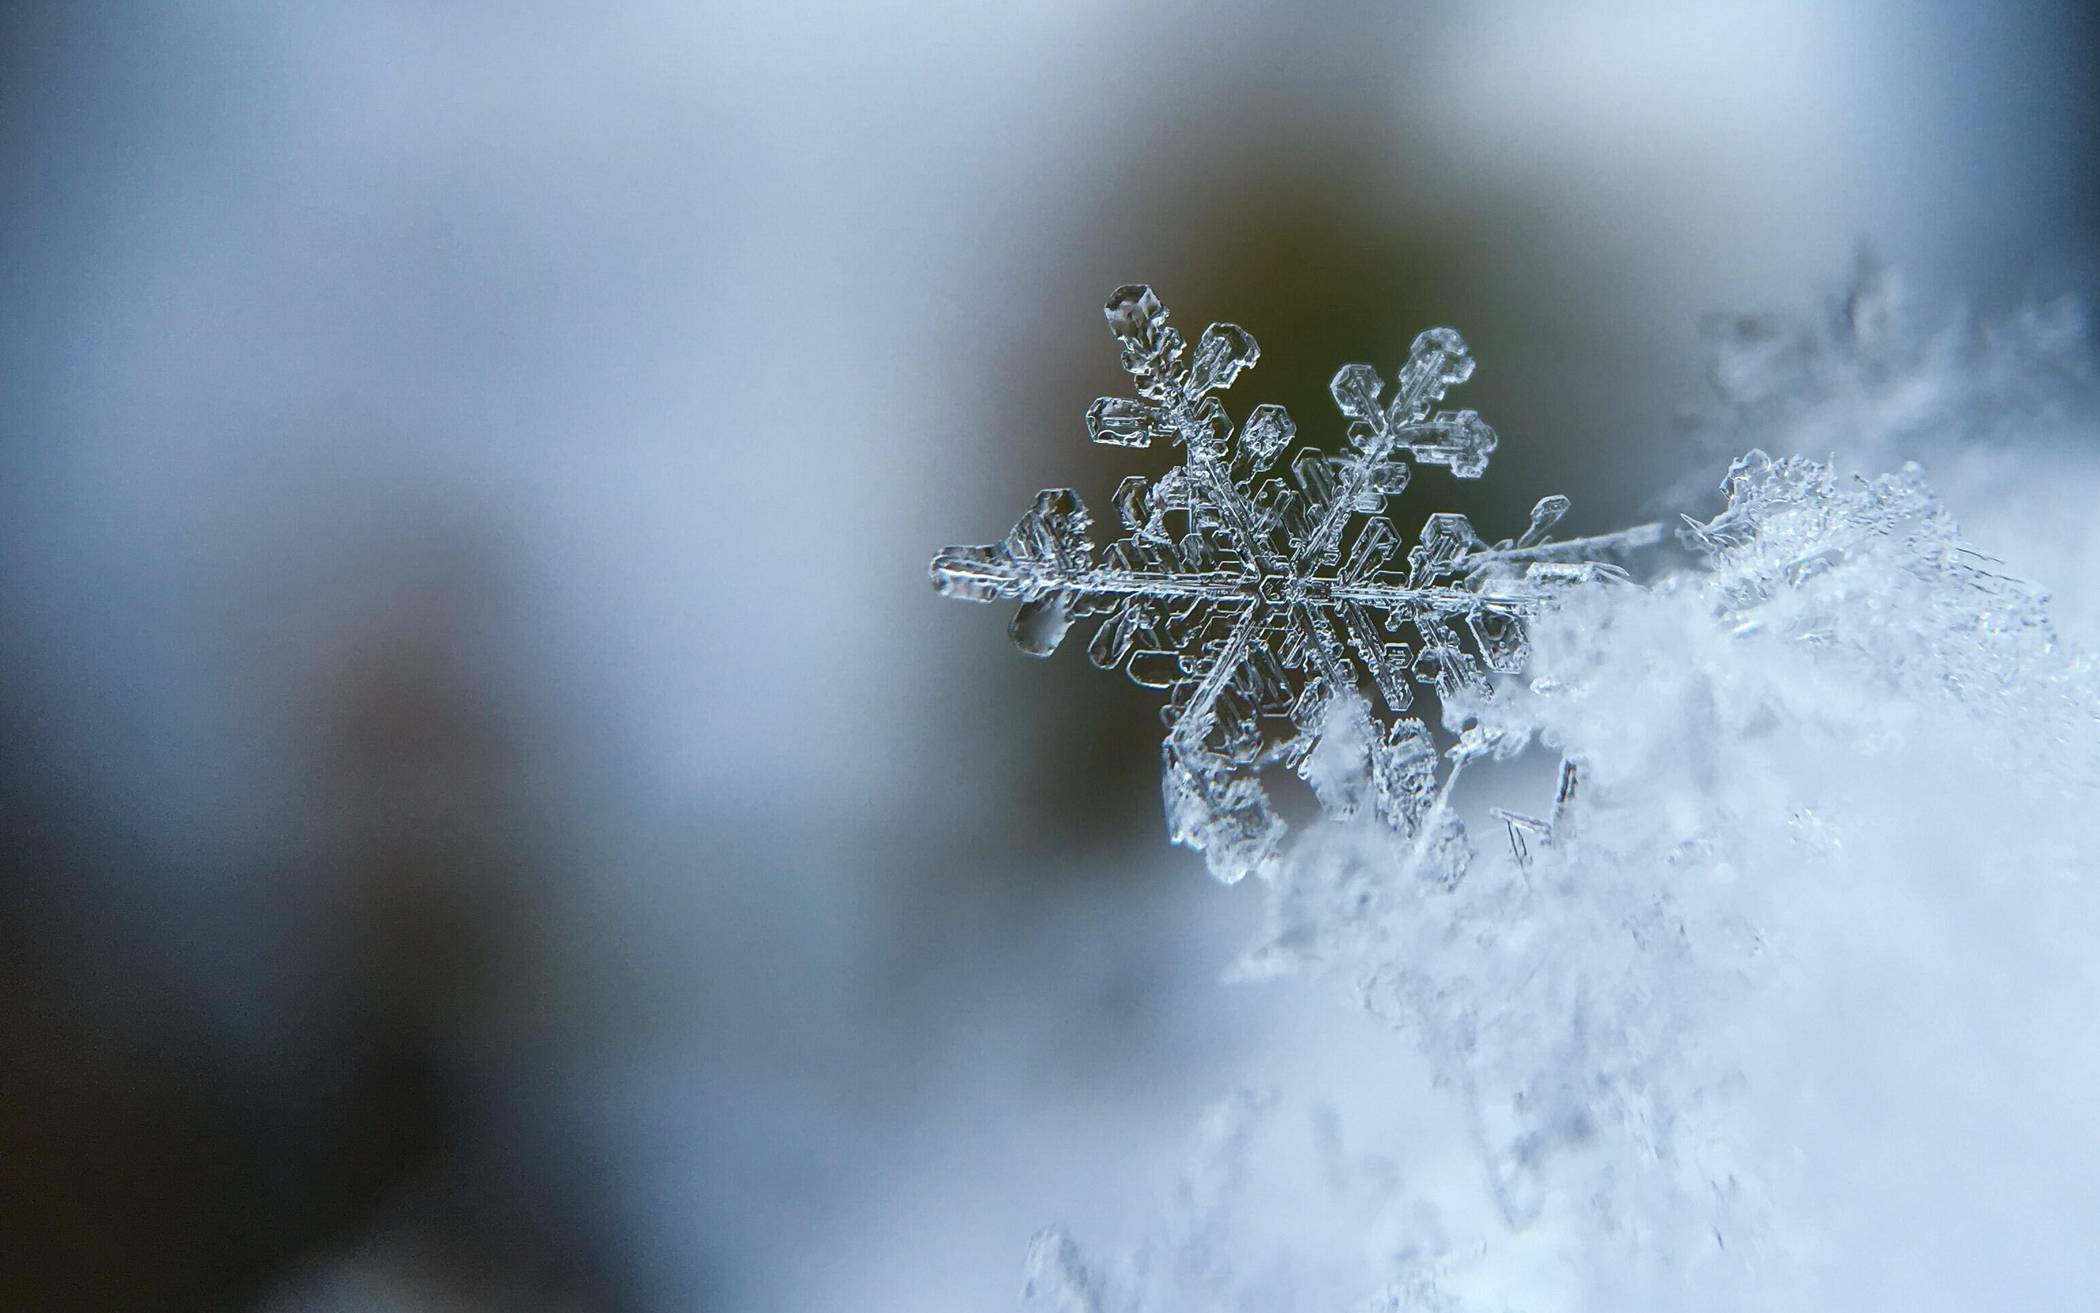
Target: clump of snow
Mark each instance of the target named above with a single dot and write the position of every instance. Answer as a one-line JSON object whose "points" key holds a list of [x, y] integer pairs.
{"points": [[1784, 1001]]}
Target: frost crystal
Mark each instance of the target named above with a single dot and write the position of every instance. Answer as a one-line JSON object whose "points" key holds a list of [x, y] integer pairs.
{"points": [[1806, 556], [1830, 831], [1781, 1004], [1264, 605], [2002, 409], [1881, 378]]}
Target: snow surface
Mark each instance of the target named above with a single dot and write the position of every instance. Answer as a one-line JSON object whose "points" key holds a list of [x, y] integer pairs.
{"points": [[1783, 997]]}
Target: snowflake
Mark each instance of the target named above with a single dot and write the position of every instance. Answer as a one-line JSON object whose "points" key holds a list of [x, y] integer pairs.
{"points": [[1265, 605]]}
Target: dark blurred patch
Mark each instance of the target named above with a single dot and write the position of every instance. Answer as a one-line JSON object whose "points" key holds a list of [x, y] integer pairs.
{"points": [[171, 1146]]}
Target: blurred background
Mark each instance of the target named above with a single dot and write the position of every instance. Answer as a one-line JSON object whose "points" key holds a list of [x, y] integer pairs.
{"points": [[495, 817]]}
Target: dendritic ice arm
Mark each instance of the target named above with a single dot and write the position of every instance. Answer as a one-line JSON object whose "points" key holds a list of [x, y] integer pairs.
{"points": [[1259, 601]]}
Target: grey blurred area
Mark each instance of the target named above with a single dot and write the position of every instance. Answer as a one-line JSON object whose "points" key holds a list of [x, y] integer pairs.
{"points": [[494, 816]]}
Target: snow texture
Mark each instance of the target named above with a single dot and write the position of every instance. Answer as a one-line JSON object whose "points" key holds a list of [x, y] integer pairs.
{"points": [[2004, 411], [1262, 604], [1785, 999], [1882, 378]]}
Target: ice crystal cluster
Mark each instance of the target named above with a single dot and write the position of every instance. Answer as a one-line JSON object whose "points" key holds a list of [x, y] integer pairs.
{"points": [[2004, 411], [1883, 378], [1782, 999], [1261, 602]]}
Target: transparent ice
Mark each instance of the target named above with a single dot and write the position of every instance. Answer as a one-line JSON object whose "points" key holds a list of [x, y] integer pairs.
{"points": [[2002, 409], [1832, 792], [1262, 602], [1781, 1001]]}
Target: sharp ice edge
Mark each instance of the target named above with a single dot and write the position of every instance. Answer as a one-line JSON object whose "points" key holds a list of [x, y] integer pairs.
{"points": [[1577, 997], [1267, 603], [1581, 1002]]}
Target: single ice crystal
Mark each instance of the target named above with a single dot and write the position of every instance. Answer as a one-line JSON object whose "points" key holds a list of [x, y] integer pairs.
{"points": [[1259, 603]]}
